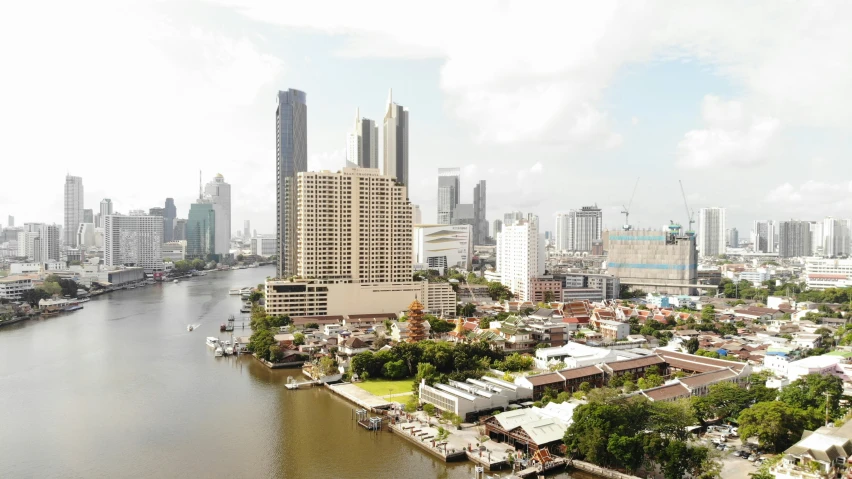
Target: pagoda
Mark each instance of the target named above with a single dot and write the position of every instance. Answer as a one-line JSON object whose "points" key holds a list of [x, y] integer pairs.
{"points": [[416, 329]]}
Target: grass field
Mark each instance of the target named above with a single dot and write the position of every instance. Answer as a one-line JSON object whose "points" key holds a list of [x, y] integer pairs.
{"points": [[385, 387]]}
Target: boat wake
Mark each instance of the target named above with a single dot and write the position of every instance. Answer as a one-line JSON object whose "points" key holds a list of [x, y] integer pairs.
{"points": [[192, 327]]}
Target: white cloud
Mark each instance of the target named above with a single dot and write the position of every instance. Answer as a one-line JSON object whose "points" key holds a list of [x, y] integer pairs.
{"points": [[732, 137], [537, 168], [812, 198], [327, 160], [634, 121]]}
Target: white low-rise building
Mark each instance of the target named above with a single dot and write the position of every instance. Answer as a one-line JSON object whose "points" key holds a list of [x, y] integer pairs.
{"points": [[464, 398], [25, 268], [264, 245], [12, 287], [441, 247], [575, 355], [814, 365]]}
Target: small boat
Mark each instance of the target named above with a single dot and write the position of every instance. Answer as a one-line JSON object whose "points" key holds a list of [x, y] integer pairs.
{"points": [[229, 350], [212, 342], [189, 328], [219, 353], [246, 308], [175, 281], [222, 328], [234, 291], [74, 307]]}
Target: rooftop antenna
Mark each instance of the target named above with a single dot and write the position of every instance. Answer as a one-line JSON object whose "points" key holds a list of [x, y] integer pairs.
{"points": [[626, 209]]}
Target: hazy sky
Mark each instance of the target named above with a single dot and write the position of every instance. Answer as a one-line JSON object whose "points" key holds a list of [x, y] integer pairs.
{"points": [[557, 106]]}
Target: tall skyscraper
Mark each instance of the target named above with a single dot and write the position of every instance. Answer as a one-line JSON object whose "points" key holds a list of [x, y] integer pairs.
{"points": [[73, 208], [246, 230], [562, 232], [88, 216], [794, 239], [134, 240], [711, 231], [763, 236], [49, 243], [371, 241], [836, 237], [480, 224], [520, 257], [497, 228], [588, 226], [395, 152], [511, 218], [816, 238], [106, 210], [169, 215], [416, 215], [180, 230], [732, 238], [11, 221], [200, 231], [218, 192], [291, 149], [448, 194], [161, 212], [362, 145]]}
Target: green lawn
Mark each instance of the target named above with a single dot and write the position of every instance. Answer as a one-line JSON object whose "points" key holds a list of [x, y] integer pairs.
{"points": [[381, 387]]}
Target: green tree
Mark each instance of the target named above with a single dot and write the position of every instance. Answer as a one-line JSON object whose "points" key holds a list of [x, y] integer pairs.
{"points": [[692, 345], [260, 342], [412, 404], [51, 288], [33, 296], [811, 393], [312, 326], [255, 296], [775, 424], [468, 310], [585, 387], [395, 369], [484, 322], [298, 339], [429, 408], [439, 326], [723, 401]]}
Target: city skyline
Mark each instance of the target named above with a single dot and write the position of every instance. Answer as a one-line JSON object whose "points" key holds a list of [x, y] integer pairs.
{"points": [[673, 104]]}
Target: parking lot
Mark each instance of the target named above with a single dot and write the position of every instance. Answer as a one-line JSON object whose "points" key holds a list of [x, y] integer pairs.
{"points": [[731, 448]]}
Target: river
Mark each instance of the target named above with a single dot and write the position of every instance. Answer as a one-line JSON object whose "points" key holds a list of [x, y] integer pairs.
{"points": [[122, 389]]}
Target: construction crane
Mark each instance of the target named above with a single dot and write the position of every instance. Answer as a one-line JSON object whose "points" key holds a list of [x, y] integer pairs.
{"points": [[690, 214], [626, 209]]}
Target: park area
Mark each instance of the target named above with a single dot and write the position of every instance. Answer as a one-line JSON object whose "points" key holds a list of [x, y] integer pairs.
{"points": [[383, 387]]}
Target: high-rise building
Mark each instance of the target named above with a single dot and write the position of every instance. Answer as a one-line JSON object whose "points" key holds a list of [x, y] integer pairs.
{"points": [[440, 247], [520, 257], [88, 216], [448, 194], [264, 245], [169, 215], [365, 219], [480, 222], [497, 228], [49, 243], [73, 208], [816, 238], [161, 212], [247, 231], [836, 237], [416, 215], [732, 238], [200, 231], [563, 232], [711, 231], [395, 152], [218, 192], [578, 230], [291, 150], [763, 236], [11, 222], [794, 239], [511, 218], [180, 230], [362, 145], [106, 210], [666, 261], [463, 214], [86, 236], [134, 240]]}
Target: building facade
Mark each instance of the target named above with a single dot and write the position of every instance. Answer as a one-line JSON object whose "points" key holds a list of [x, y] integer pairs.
{"points": [[106, 210], [362, 145], [480, 222], [441, 247], [836, 237], [794, 239], [711, 231], [733, 238], [520, 257], [264, 245], [169, 215], [133, 241], [448, 194], [200, 231], [218, 192], [291, 147], [395, 152], [660, 261], [763, 236], [824, 273], [73, 208], [174, 250]]}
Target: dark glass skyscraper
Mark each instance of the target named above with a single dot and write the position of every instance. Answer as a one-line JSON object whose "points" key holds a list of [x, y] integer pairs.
{"points": [[291, 150], [169, 214]]}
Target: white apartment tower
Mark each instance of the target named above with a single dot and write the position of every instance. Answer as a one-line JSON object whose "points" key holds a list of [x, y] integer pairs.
{"points": [[218, 192], [562, 232], [73, 208], [353, 226], [395, 152], [763, 236], [133, 241], [836, 237], [106, 210], [448, 194], [520, 255], [578, 229], [362, 145], [711, 231]]}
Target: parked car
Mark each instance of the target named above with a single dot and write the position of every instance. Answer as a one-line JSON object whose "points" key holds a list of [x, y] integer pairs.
{"points": [[752, 458]]}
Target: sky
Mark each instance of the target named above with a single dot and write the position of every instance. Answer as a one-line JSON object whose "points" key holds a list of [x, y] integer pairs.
{"points": [[557, 105]]}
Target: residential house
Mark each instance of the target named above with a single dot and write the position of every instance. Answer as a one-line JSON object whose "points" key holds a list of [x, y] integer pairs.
{"points": [[820, 454]]}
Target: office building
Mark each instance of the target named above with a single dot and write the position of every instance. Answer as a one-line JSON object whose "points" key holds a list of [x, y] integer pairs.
{"points": [[732, 238], [763, 236], [134, 240], [247, 232], [824, 273], [589, 286], [653, 260], [12, 287], [448, 194], [794, 239], [512, 218], [200, 231], [159, 211], [395, 152], [711, 231], [291, 149], [264, 245], [362, 145], [174, 250], [11, 222], [38, 242], [520, 257], [416, 214], [497, 228], [836, 237], [441, 247], [88, 216], [587, 227], [86, 237], [73, 208], [169, 215], [106, 210], [27, 242], [816, 238], [562, 232], [180, 230], [218, 193], [463, 214], [354, 249], [480, 222]]}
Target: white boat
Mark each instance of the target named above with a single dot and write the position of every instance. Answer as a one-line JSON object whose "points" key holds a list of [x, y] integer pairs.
{"points": [[246, 308], [189, 327], [219, 353], [175, 281], [229, 350], [212, 342], [234, 291]]}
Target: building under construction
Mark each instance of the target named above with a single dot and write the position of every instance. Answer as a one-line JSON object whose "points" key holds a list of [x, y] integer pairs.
{"points": [[653, 260]]}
